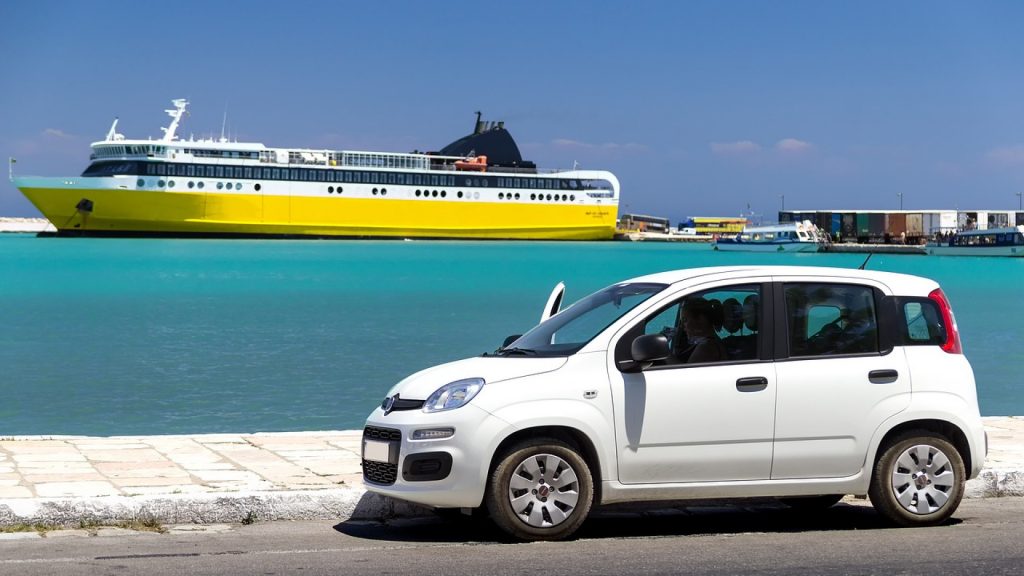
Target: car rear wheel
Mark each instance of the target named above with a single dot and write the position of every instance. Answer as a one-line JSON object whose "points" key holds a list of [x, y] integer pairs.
{"points": [[918, 480], [540, 490]]}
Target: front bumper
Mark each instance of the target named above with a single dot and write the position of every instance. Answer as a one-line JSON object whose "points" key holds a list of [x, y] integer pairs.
{"points": [[443, 473]]}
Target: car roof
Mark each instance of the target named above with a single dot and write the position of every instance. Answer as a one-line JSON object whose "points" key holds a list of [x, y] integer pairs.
{"points": [[903, 284]]}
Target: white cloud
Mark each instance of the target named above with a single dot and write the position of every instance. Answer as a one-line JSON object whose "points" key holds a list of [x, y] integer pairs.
{"points": [[739, 147], [792, 145], [569, 143], [56, 133], [1007, 155]]}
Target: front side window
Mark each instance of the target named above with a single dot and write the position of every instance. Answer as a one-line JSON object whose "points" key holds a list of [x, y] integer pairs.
{"points": [[717, 325], [569, 330], [829, 319]]}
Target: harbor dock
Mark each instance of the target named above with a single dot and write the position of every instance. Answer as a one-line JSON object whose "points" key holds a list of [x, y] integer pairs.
{"points": [[854, 248], [241, 478]]}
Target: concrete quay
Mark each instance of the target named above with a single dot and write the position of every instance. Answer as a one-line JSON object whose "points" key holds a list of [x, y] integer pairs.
{"points": [[243, 478]]}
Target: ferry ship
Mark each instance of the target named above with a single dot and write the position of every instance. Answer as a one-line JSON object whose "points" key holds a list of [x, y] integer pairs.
{"points": [[992, 242], [477, 187], [786, 237]]}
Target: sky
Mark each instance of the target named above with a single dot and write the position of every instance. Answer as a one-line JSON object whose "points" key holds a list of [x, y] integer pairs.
{"points": [[700, 108]]}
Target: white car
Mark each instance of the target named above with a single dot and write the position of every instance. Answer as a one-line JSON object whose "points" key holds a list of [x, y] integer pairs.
{"points": [[800, 383]]}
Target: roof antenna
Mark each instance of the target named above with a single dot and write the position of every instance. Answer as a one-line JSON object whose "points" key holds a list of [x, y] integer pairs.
{"points": [[865, 263], [224, 123]]}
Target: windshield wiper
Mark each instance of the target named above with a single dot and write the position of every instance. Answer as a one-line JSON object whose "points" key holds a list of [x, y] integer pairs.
{"points": [[517, 351]]}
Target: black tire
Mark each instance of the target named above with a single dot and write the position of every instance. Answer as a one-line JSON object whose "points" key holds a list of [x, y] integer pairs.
{"points": [[930, 481], [530, 502], [812, 503]]}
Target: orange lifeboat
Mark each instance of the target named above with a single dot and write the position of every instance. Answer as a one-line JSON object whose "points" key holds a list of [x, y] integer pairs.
{"points": [[473, 164]]}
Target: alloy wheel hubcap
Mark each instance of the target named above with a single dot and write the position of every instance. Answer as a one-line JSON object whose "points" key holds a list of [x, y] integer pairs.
{"points": [[923, 479], [543, 490]]}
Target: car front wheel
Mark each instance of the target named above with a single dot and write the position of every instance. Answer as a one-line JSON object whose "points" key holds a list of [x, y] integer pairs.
{"points": [[918, 480], [540, 490]]}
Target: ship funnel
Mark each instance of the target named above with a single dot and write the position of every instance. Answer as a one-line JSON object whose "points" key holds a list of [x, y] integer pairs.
{"points": [[479, 128]]}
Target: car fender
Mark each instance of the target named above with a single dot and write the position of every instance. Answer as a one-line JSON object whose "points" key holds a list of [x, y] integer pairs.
{"points": [[940, 406], [583, 416]]}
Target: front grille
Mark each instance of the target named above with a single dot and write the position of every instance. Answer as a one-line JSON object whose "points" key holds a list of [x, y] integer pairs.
{"points": [[379, 472], [374, 433], [382, 472]]}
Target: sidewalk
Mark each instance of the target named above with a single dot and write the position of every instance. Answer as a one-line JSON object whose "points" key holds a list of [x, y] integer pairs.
{"points": [[242, 478]]}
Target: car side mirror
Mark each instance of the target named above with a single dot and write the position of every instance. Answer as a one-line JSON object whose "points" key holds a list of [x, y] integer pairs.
{"points": [[509, 340], [649, 348]]}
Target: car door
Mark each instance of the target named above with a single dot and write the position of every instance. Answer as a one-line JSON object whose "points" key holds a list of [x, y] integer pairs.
{"points": [[677, 421], [835, 384]]}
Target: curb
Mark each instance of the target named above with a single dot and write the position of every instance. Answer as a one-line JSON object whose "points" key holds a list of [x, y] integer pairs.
{"points": [[214, 508], [334, 504]]}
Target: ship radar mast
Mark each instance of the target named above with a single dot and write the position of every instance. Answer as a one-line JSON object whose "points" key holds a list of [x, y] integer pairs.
{"points": [[176, 114], [112, 135]]}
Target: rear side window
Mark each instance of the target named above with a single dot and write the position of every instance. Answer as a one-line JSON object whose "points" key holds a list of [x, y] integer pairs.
{"points": [[829, 319], [921, 323]]}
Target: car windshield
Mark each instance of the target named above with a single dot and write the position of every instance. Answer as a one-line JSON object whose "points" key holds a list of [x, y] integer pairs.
{"points": [[566, 332]]}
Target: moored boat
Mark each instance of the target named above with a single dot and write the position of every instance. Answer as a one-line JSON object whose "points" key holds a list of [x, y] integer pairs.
{"points": [[477, 187], [785, 237], [992, 242]]}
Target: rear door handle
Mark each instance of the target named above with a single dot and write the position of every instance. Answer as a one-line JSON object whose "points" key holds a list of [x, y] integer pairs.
{"points": [[752, 384], [883, 376]]}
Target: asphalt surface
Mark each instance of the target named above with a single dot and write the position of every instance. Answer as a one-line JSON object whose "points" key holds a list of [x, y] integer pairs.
{"points": [[983, 538]]}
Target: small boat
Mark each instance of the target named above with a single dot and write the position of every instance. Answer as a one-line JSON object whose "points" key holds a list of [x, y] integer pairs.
{"points": [[474, 164], [785, 237], [991, 242]]}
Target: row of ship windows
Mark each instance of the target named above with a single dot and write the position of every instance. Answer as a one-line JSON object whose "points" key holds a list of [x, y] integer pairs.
{"points": [[382, 191], [327, 175]]}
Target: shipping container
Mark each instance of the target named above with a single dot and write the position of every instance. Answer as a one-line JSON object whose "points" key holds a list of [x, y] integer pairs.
{"points": [[823, 220], [915, 225], [863, 225], [932, 224], [896, 224], [947, 221], [876, 225], [849, 225]]}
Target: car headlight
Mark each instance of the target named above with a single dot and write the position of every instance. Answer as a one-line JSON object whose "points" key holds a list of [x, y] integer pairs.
{"points": [[453, 395]]}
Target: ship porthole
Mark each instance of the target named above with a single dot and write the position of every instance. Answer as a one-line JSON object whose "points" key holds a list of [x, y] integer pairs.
{"points": [[140, 183], [383, 191], [443, 193], [501, 195], [160, 183], [460, 194], [533, 196], [517, 195], [330, 189], [572, 197], [220, 185], [417, 193], [201, 185], [476, 195], [257, 186], [549, 196], [434, 193], [191, 184], [374, 191]]}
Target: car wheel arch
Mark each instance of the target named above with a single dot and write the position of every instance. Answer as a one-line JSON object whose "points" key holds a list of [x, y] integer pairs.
{"points": [[574, 437], [941, 428]]}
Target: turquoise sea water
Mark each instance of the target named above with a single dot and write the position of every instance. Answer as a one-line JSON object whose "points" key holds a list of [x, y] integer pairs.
{"points": [[110, 336]]}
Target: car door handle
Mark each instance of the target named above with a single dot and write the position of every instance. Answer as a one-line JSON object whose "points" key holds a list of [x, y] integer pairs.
{"points": [[752, 384], [883, 376]]}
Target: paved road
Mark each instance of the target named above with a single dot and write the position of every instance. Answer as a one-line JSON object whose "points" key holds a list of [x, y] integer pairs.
{"points": [[985, 538]]}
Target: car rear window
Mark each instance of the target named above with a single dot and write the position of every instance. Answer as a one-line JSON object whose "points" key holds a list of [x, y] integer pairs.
{"points": [[922, 322]]}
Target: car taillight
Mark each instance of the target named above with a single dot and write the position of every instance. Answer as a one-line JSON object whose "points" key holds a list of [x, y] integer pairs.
{"points": [[952, 343]]}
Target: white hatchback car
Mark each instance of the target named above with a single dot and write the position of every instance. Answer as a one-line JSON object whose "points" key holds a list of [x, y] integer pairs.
{"points": [[799, 383]]}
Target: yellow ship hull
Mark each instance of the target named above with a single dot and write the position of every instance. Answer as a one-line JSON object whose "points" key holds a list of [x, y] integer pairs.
{"points": [[145, 212]]}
